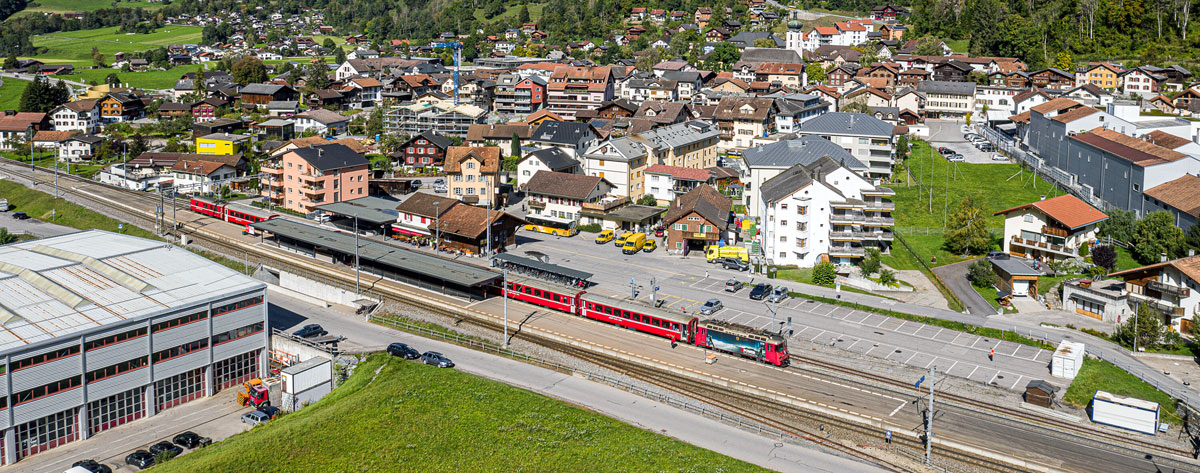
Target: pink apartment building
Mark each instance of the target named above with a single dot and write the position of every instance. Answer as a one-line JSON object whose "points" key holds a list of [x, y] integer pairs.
{"points": [[304, 178]]}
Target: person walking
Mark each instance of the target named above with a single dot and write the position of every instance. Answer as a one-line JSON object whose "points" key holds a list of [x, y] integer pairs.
{"points": [[992, 354]]}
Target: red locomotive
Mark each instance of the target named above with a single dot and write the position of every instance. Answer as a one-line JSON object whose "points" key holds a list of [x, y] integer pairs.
{"points": [[710, 333]]}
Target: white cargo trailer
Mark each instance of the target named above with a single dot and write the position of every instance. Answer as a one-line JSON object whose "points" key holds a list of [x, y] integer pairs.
{"points": [[1067, 360], [1125, 412], [306, 382]]}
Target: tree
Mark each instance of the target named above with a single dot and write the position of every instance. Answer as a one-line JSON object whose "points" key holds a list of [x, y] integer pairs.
{"points": [[1147, 329], [112, 79], [339, 55], [5, 237], [1063, 61], [317, 76], [41, 96], [815, 72], [647, 199], [888, 277], [1157, 235], [1120, 225], [648, 59], [902, 148], [980, 273], [930, 47], [871, 264], [1192, 237], [523, 14], [249, 70], [764, 43], [1104, 256], [11, 62], [97, 57], [328, 44], [967, 232], [824, 274], [723, 56], [515, 145]]}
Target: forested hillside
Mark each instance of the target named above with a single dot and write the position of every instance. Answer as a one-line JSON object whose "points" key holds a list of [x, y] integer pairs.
{"points": [[1137, 31]]}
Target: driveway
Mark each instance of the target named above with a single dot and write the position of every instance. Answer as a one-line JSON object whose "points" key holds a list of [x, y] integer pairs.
{"points": [[947, 133], [32, 226], [955, 277]]}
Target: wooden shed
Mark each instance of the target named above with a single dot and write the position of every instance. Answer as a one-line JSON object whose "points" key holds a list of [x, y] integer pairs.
{"points": [[1040, 393]]}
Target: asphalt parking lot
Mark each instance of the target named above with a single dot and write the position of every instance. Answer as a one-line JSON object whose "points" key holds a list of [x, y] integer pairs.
{"points": [[947, 133]]}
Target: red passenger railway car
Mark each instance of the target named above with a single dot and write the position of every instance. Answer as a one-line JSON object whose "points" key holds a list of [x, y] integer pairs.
{"points": [[678, 327], [239, 214]]}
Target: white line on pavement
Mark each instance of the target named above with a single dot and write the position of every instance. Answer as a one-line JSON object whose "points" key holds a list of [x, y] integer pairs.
{"points": [[897, 409]]}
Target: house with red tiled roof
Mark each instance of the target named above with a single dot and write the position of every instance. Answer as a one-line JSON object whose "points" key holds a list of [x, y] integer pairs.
{"points": [[1171, 287], [201, 175], [667, 182], [1051, 229]]}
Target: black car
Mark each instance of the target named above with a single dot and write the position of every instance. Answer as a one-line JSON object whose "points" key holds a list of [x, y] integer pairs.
{"points": [[20, 215], [191, 439], [998, 255], [310, 330], [92, 466], [402, 350], [270, 411], [760, 291], [141, 459], [735, 264], [165, 446], [436, 359]]}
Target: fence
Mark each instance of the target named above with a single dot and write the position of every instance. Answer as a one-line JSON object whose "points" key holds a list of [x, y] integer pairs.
{"points": [[938, 231], [945, 290]]}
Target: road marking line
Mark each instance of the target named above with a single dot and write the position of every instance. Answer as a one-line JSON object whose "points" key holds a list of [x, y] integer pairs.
{"points": [[951, 367], [818, 335], [973, 372], [897, 329], [1014, 353], [910, 358], [897, 409], [1018, 381], [885, 319], [993, 378]]}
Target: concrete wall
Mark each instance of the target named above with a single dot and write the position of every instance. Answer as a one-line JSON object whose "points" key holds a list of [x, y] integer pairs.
{"points": [[303, 352], [316, 289]]}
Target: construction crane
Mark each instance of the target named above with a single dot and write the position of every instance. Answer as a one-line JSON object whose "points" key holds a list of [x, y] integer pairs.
{"points": [[457, 47]]}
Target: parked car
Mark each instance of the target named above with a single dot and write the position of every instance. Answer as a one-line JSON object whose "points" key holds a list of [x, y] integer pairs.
{"points": [[605, 237], [986, 147], [191, 439], [141, 459], [269, 410], [436, 359], [998, 255], [20, 215], [416, 184], [439, 186], [404, 351], [650, 246], [760, 291], [254, 418], [92, 466], [711, 306], [165, 446], [310, 330], [944, 150], [999, 157], [956, 158], [778, 294], [733, 285], [735, 264]]}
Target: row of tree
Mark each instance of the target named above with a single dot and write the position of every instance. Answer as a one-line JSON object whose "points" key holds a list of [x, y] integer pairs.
{"points": [[1152, 236]]}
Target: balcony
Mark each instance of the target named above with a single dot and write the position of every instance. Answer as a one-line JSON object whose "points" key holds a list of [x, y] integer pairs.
{"points": [[847, 236], [275, 171], [273, 195], [605, 204], [878, 221], [879, 191], [881, 206], [846, 218], [846, 251], [1058, 232], [1043, 246], [847, 205], [313, 191], [537, 204], [1171, 289]]}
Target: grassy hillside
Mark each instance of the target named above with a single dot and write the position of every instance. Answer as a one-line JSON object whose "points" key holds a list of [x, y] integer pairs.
{"points": [[63, 6], [10, 93], [76, 46], [413, 417], [535, 13]]}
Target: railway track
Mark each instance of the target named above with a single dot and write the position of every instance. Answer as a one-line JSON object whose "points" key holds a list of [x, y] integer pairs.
{"points": [[397, 292]]}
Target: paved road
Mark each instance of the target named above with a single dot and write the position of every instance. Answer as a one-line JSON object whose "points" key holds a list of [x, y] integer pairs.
{"points": [[286, 312], [32, 226], [955, 277]]}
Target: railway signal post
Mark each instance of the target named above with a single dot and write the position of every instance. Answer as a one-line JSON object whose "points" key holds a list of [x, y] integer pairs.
{"points": [[928, 419]]}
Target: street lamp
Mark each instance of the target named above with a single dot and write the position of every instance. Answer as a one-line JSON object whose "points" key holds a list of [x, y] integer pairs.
{"points": [[29, 134], [357, 287], [437, 228]]}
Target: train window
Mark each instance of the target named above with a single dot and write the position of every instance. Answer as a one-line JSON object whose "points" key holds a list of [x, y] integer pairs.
{"points": [[608, 310], [556, 298]]}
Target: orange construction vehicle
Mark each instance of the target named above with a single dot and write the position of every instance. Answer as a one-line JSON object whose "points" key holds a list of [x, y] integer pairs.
{"points": [[254, 394]]}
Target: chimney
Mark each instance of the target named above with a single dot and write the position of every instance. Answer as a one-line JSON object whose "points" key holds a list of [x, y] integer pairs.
{"points": [[1043, 197], [1162, 258], [1191, 252]]}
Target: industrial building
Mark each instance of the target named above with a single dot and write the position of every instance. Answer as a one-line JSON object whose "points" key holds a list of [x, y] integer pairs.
{"points": [[101, 329]]}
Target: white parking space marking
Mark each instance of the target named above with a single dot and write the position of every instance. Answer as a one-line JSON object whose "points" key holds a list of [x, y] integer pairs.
{"points": [[897, 409]]}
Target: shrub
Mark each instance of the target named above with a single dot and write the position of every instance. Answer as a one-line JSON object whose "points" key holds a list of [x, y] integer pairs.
{"points": [[1083, 250], [888, 277], [1105, 256], [824, 274], [980, 273], [591, 228]]}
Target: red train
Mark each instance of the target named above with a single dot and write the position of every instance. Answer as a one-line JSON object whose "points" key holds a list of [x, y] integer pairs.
{"points": [[239, 214], [714, 334]]}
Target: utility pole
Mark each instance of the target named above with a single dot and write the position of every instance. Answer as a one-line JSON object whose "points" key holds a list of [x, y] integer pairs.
{"points": [[357, 284], [437, 228], [774, 309], [504, 271], [632, 288], [929, 422], [488, 230], [653, 291], [32, 167]]}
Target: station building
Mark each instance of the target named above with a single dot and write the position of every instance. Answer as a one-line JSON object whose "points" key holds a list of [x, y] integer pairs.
{"points": [[101, 329]]}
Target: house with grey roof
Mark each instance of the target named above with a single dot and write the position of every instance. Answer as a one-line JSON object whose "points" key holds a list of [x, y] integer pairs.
{"points": [[822, 210], [869, 139], [691, 144], [548, 159], [621, 162], [571, 137], [947, 99], [764, 162], [792, 110]]}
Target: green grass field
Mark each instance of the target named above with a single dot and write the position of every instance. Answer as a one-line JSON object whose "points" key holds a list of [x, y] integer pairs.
{"points": [[413, 417], [1104, 376], [77, 45], [149, 79], [10, 93], [40, 204], [959, 45], [994, 187], [63, 6]]}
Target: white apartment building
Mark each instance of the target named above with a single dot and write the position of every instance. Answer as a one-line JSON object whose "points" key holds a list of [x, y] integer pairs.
{"points": [[81, 115], [947, 99], [621, 162], [821, 210], [762, 163], [868, 138]]}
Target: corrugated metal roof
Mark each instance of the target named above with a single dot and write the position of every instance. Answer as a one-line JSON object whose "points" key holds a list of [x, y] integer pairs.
{"points": [[60, 286]]}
